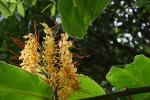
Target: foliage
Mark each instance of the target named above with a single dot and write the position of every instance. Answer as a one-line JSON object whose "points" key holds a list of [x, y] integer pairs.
{"points": [[78, 14], [8, 7], [59, 73], [142, 3], [88, 88], [4, 9], [20, 8], [17, 26], [30, 86], [114, 38], [16, 84], [121, 31], [133, 75]]}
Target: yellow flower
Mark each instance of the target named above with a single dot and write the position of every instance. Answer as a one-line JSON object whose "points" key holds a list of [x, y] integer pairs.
{"points": [[54, 63], [67, 73], [30, 55], [49, 56]]}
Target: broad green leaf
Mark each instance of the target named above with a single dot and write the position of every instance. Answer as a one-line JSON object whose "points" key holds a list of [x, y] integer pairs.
{"points": [[20, 8], [17, 84], [88, 88], [76, 15], [4, 9], [12, 7], [132, 76]]}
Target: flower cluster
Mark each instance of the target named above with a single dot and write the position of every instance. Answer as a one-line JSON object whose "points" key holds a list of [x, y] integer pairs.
{"points": [[52, 61], [67, 73], [30, 55], [49, 56]]}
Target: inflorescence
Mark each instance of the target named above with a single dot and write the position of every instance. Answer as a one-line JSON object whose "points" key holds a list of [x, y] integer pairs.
{"points": [[51, 61]]}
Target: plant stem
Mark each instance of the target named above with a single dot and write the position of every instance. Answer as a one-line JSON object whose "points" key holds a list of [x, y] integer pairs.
{"points": [[123, 93]]}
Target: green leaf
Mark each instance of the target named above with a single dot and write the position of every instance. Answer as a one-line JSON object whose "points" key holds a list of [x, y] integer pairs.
{"points": [[20, 8], [4, 9], [132, 76], [53, 9], [76, 15], [11, 1], [17, 84], [12, 7], [34, 2], [88, 88]]}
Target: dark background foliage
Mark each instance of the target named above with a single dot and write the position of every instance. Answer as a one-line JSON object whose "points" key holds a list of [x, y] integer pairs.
{"points": [[114, 38]]}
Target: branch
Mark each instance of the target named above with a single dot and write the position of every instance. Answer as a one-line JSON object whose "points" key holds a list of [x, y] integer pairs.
{"points": [[126, 92]]}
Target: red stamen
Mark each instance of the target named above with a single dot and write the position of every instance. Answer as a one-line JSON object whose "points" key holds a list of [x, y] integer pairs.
{"points": [[18, 42], [78, 49], [81, 57]]}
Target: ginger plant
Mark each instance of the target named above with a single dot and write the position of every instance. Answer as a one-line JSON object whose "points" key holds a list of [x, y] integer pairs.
{"points": [[51, 61]]}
